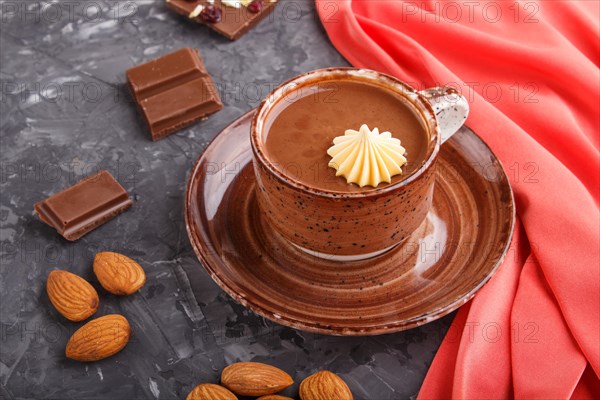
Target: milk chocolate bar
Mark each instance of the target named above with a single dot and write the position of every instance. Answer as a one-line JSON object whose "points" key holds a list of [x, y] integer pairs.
{"points": [[230, 18], [84, 206], [173, 91]]}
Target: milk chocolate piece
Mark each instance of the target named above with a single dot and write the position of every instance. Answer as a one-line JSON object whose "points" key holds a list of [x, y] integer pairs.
{"points": [[234, 22], [84, 206], [173, 91]]}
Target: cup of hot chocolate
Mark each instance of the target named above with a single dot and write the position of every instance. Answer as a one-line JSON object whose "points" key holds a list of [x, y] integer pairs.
{"points": [[345, 158]]}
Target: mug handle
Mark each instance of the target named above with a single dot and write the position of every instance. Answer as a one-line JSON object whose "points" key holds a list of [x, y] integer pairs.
{"points": [[451, 109]]}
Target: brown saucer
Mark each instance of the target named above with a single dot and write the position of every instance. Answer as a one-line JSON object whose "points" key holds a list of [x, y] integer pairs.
{"points": [[436, 270]]}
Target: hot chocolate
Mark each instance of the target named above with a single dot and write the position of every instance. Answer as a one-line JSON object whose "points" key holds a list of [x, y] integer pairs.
{"points": [[302, 125]]}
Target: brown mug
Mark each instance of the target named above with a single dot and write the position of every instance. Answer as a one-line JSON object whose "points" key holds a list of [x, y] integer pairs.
{"points": [[354, 225]]}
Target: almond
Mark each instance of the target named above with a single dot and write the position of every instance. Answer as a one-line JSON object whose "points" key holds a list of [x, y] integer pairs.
{"points": [[274, 397], [118, 274], [71, 295], [324, 385], [254, 379], [99, 338], [208, 391]]}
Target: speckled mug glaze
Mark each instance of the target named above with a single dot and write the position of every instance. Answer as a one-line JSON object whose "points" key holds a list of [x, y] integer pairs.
{"points": [[353, 225]]}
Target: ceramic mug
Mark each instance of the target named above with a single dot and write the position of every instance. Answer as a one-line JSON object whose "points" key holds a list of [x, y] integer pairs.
{"points": [[354, 225]]}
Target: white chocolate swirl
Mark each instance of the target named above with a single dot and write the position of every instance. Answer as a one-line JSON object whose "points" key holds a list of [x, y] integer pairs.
{"points": [[366, 157]]}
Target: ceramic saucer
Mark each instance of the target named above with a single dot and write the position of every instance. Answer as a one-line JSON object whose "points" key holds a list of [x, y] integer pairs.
{"points": [[440, 267]]}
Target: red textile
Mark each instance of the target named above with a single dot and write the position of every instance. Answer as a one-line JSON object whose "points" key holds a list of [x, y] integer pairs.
{"points": [[530, 71]]}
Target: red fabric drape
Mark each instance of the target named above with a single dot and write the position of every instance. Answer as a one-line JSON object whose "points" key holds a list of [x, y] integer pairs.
{"points": [[530, 71]]}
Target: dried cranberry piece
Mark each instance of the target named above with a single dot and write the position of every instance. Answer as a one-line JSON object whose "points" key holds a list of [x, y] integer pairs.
{"points": [[211, 14], [255, 6]]}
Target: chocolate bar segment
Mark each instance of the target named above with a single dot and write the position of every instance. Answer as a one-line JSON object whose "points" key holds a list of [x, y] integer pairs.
{"points": [[173, 91], [233, 17], [84, 206]]}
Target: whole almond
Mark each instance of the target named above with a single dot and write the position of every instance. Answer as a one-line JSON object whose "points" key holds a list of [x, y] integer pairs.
{"points": [[324, 385], [71, 295], [274, 397], [118, 274], [254, 379], [99, 338], [208, 391]]}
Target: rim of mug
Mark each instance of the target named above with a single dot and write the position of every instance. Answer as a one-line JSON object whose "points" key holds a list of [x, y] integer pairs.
{"points": [[412, 96]]}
